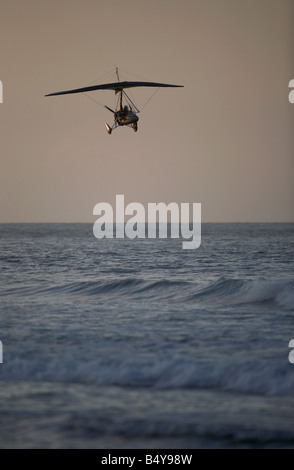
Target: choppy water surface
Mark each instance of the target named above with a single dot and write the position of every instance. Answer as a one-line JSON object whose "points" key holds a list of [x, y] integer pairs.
{"points": [[141, 344]]}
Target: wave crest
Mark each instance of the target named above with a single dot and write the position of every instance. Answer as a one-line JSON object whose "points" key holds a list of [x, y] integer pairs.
{"points": [[222, 292], [238, 292]]}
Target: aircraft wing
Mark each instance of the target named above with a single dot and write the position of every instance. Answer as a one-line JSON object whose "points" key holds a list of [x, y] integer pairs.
{"points": [[118, 86]]}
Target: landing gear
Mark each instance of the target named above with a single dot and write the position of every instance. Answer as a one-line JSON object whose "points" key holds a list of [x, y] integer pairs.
{"points": [[108, 128]]}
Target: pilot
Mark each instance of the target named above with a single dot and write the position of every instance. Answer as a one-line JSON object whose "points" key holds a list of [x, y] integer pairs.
{"points": [[126, 110]]}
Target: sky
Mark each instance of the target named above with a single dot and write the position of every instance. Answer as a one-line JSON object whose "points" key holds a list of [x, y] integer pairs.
{"points": [[225, 140]]}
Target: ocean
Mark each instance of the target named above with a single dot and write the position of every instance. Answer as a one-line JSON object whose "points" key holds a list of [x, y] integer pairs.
{"points": [[139, 344]]}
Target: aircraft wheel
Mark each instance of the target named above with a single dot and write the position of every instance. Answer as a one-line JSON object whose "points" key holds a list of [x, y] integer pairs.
{"points": [[108, 128]]}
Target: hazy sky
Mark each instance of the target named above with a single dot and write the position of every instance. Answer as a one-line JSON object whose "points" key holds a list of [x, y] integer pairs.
{"points": [[225, 140]]}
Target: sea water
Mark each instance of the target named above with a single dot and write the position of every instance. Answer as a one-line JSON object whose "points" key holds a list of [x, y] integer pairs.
{"points": [[140, 344]]}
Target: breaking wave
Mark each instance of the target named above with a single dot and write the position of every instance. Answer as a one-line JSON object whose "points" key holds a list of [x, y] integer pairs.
{"points": [[238, 292], [247, 376], [221, 292]]}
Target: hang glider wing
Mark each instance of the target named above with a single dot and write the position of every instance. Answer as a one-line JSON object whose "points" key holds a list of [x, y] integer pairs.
{"points": [[118, 86]]}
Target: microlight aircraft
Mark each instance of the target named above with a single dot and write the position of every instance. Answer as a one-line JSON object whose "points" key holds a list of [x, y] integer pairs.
{"points": [[126, 112]]}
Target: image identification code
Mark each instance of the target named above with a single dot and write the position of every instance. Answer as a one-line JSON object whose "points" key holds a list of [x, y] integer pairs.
{"points": [[169, 459], [148, 460]]}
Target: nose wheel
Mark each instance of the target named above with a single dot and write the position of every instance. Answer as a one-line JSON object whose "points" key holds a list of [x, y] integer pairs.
{"points": [[135, 126]]}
